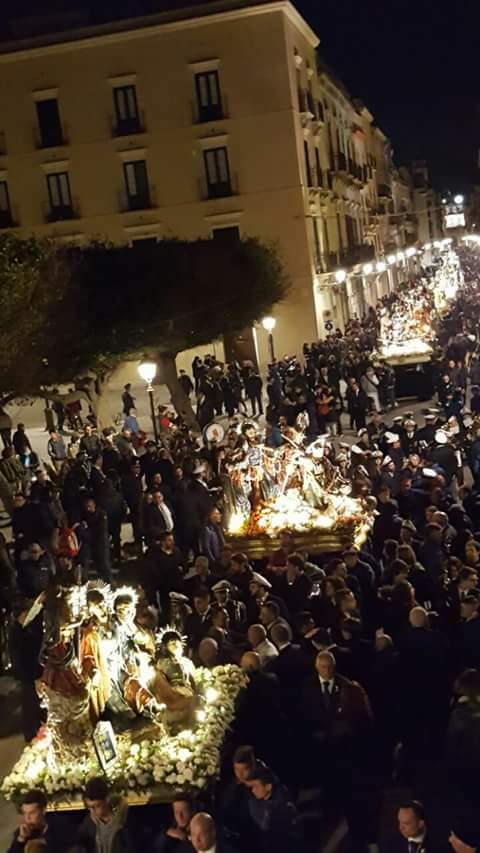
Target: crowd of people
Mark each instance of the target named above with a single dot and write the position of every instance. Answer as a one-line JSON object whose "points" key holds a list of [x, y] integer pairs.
{"points": [[364, 666]]}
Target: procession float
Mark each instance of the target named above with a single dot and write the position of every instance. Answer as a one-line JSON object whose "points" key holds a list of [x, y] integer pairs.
{"points": [[123, 701], [292, 488]]}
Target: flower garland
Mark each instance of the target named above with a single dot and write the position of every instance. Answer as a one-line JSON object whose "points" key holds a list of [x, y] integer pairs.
{"points": [[186, 760]]}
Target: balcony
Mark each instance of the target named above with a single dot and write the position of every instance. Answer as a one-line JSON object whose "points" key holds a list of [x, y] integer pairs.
{"points": [[340, 163], [384, 191], [55, 137], [360, 254], [128, 126], [61, 213], [305, 102], [311, 105], [145, 200], [221, 189]]}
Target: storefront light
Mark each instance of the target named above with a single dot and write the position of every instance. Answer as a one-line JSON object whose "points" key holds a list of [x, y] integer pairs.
{"points": [[411, 252], [381, 266], [340, 276], [367, 269], [391, 259]]}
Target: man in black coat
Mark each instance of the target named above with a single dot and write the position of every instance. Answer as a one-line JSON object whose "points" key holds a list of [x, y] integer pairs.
{"points": [[90, 443], [412, 835], [35, 825], [469, 639], [24, 647], [294, 587], [444, 455], [93, 532], [290, 666], [424, 686], [259, 719]]}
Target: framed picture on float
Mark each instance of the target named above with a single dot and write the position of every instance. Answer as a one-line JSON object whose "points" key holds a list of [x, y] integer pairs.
{"points": [[105, 744]]}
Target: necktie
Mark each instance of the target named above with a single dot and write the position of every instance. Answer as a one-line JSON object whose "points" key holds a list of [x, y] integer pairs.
{"points": [[326, 695]]}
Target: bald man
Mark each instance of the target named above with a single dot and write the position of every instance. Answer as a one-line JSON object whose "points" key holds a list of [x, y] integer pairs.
{"points": [[257, 637], [204, 838]]}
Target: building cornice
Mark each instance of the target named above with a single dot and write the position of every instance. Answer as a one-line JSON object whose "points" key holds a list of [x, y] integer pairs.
{"points": [[135, 29]]}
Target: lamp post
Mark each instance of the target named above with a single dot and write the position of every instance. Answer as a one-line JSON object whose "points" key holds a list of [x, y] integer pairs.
{"points": [[269, 324], [147, 371]]}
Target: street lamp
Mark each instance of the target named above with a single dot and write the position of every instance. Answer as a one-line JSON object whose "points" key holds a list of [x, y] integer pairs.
{"points": [[458, 199], [147, 371], [269, 324]]}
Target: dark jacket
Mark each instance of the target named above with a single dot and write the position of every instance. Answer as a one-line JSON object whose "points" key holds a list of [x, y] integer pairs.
{"points": [[87, 833], [34, 576], [275, 820], [54, 844]]}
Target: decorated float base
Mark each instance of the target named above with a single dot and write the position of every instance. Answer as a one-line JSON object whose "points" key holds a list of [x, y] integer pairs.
{"points": [[316, 541], [149, 765]]}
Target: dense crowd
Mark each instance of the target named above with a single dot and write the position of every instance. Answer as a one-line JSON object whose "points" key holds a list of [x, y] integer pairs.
{"points": [[363, 666]]}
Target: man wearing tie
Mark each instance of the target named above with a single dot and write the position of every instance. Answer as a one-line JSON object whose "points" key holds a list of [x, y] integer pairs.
{"points": [[338, 722], [412, 831]]}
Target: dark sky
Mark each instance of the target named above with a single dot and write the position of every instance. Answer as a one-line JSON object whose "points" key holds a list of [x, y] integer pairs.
{"points": [[415, 64]]}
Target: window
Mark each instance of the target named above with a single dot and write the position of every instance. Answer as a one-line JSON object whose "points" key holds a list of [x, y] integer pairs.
{"points": [[226, 234], [217, 172], [316, 245], [136, 183], [49, 123], [308, 170], [318, 167], [59, 196], [126, 110], [209, 99], [5, 212]]}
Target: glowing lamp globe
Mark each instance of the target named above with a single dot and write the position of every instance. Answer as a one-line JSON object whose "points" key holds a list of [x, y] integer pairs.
{"points": [[147, 371], [381, 266], [340, 276], [269, 324], [368, 268], [391, 259], [458, 199]]}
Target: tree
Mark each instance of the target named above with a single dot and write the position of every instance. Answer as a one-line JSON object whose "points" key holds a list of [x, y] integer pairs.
{"points": [[111, 303], [33, 279], [168, 297]]}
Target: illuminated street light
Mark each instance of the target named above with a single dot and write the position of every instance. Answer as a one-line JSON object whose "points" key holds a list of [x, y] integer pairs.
{"points": [[411, 252], [147, 371], [458, 199], [368, 268], [340, 276], [391, 259], [269, 324]]}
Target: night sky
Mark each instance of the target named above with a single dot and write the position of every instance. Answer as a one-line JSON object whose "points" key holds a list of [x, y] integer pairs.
{"points": [[415, 64]]}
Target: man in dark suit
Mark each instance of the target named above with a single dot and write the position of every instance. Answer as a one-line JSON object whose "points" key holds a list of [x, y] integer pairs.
{"points": [[259, 719], [337, 722], [290, 666], [200, 621], [412, 835]]}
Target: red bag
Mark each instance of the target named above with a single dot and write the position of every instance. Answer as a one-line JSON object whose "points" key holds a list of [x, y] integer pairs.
{"points": [[68, 543]]}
